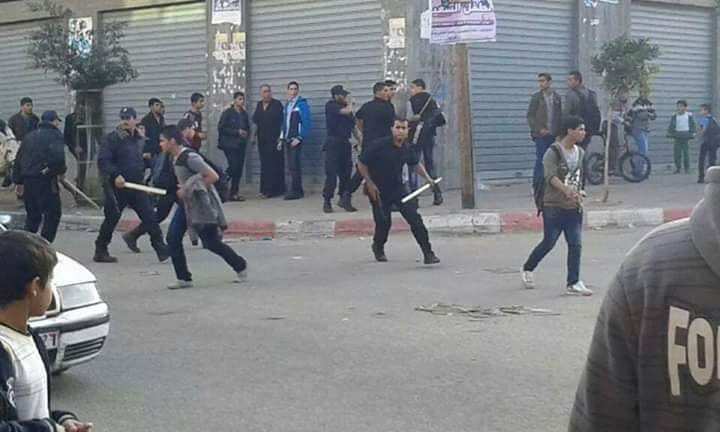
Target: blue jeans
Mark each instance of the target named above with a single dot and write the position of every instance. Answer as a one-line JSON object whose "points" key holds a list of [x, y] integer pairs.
{"points": [[558, 221], [211, 240], [641, 140], [542, 144]]}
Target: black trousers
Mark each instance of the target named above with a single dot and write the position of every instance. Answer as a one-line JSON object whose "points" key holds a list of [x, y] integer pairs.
{"points": [[424, 149], [338, 166], [42, 205], [294, 163], [163, 207], [707, 151], [272, 168], [383, 221], [115, 202], [236, 164]]}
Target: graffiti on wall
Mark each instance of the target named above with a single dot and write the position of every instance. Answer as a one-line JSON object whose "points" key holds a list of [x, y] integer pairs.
{"points": [[395, 61]]}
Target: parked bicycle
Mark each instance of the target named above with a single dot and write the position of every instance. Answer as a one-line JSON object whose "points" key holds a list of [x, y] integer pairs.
{"points": [[632, 165]]}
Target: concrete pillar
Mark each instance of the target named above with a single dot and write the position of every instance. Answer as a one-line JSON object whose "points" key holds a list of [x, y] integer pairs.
{"points": [[598, 22], [227, 72]]}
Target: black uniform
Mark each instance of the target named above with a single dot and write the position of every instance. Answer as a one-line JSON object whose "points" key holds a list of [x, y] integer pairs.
{"points": [[424, 144], [121, 155], [385, 162], [378, 117], [39, 162], [338, 150]]}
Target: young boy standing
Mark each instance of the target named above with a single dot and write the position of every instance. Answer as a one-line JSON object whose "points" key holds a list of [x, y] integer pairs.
{"points": [[26, 263], [562, 204], [682, 130]]}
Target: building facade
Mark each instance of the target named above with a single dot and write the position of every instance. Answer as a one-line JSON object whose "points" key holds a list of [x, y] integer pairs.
{"points": [[178, 49]]}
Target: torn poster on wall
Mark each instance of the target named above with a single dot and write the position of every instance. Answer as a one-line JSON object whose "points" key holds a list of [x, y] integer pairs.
{"points": [[465, 22], [397, 33], [80, 35], [227, 11], [229, 47]]}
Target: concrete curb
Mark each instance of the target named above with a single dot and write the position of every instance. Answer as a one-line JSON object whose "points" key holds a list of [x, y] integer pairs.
{"points": [[458, 223]]}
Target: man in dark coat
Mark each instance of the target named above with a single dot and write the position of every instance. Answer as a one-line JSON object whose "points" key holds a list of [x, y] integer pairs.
{"points": [[268, 119], [234, 130]]}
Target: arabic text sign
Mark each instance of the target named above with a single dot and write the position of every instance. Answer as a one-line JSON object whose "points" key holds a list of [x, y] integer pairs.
{"points": [[467, 22]]}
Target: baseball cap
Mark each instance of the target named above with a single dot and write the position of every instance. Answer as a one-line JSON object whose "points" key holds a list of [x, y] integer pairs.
{"points": [[128, 112], [50, 116], [339, 90]]}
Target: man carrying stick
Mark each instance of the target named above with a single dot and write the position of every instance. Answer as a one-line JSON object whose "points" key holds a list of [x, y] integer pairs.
{"points": [[119, 161], [381, 165]]}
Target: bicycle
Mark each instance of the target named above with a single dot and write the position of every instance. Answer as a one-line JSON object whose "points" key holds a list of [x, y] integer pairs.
{"points": [[633, 166]]}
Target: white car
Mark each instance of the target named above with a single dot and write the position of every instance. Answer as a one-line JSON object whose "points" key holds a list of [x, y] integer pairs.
{"points": [[77, 322]]}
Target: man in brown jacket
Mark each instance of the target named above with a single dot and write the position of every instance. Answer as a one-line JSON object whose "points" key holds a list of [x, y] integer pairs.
{"points": [[544, 117]]}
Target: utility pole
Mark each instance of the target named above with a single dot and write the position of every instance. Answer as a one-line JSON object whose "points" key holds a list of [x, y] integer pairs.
{"points": [[464, 118]]}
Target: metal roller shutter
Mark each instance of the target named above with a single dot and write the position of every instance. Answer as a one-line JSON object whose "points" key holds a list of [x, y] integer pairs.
{"points": [[318, 43], [168, 47], [19, 81], [530, 40], [684, 35]]}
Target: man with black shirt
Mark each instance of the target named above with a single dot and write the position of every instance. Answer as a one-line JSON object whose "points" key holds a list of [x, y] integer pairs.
{"points": [[427, 117], [153, 122], [381, 165], [375, 120], [197, 101], [24, 122], [338, 150], [38, 166], [119, 161]]}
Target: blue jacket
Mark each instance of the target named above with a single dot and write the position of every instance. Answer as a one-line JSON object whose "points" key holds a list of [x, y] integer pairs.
{"points": [[300, 123]]}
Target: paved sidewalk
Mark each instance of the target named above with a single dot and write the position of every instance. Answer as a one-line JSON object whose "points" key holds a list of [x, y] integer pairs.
{"points": [[503, 207]]}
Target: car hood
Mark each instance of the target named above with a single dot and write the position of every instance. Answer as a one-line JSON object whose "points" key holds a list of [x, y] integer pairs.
{"points": [[70, 272]]}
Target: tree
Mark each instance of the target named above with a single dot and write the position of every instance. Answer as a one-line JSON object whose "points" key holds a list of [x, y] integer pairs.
{"points": [[625, 65], [105, 63]]}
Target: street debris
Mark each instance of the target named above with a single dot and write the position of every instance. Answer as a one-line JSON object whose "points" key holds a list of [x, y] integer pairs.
{"points": [[481, 312], [150, 273], [502, 270]]}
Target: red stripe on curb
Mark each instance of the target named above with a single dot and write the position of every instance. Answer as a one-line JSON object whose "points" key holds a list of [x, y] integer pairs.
{"points": [[366, 227], [520, 222], [126, 225], [251, 229], [676, 214]]}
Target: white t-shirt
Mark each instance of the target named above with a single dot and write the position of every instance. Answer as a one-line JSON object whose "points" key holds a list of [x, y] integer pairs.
{"points": [[682, 122], [29, 389], [572, 158]]}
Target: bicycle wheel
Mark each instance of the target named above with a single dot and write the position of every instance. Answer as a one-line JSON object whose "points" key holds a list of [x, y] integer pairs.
{"points": [[595, 168], [635, 167]]}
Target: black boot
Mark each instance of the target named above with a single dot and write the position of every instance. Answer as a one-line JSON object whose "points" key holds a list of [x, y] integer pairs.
{"points": [[438, 199], [130, 239], [346, 202], [431, 258], [379, 252], [102, 255], [327, 206]]}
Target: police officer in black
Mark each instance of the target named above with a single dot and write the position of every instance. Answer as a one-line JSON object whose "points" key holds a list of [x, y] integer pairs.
{"points": [[381, 164], [340, 123], [120, 159], [375, 120], [39, 164]]}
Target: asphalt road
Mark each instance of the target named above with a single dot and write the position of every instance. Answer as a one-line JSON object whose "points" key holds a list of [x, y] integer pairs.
{"points": [[324, 339]]}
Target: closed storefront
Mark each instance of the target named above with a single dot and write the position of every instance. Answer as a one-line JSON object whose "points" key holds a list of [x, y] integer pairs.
{"points": [[685, 37], [318, 43], [168, 47], [530, 39], [18, 80]]}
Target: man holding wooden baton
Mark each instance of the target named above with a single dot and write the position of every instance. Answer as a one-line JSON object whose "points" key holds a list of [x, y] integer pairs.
{"points": [[119, 161], [381, 165]]}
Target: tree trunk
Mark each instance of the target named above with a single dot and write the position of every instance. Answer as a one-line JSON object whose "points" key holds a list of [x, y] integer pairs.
{"points": [[608, 137], [90, 102]]}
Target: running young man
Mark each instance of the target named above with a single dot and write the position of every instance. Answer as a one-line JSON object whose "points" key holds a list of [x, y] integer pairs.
{"points": [[381, 165], [562, 204]]}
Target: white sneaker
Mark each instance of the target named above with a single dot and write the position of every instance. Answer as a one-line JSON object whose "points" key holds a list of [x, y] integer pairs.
{"points": [[528, 279], [241, 277], [579, 289], [181, 284]]}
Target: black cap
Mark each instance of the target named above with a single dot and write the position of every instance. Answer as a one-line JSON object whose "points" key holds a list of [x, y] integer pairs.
{"points": [[339, 90], [128, 112], [50, 116]]}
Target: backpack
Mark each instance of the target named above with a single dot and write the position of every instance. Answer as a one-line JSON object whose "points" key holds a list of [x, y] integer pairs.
{"points": [[590, 112], [222, 185]]}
